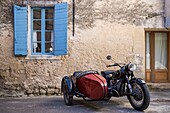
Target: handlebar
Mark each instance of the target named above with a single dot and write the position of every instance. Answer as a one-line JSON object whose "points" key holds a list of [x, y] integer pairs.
{"points": [[109, 66], [115, 64]]}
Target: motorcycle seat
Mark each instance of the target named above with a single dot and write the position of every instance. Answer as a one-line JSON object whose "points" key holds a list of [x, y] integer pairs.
{"points": [[79, 74], [107, 72]]}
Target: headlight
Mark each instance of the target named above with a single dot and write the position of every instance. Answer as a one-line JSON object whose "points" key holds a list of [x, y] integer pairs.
{"points": [[132, 67]]}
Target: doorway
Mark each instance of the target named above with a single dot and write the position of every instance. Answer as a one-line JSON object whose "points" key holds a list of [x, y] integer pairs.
{"points": [[157, 56]]}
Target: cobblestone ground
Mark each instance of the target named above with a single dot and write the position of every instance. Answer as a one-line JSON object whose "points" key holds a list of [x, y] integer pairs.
{"points": [[160, 103]]}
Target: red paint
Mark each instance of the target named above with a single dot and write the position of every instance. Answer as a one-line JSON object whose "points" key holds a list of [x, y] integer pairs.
{"points": [[93, 86]]}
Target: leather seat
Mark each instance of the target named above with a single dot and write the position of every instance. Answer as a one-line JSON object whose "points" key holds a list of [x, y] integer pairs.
{"points": [[76, 73], [79, 74], [107, 72]]}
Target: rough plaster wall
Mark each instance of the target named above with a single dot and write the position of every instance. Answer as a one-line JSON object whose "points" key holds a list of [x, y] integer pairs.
{"points": [[20, 76], [90, 48], [116, 28], [32, 76], [134, 12], [102, 27]]}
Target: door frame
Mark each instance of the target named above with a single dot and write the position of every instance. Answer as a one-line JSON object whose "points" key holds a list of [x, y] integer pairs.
{"points": [[150, 75]]}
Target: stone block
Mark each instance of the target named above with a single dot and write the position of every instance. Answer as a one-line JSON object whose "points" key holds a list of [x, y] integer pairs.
{"points": [[57, 91], [43, 92], [22, 71], [36, 91], [51, 86], [50, 91], [29, 91]]}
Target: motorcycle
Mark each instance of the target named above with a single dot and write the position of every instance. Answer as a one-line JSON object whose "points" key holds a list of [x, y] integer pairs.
{"points": [[90, 85]]}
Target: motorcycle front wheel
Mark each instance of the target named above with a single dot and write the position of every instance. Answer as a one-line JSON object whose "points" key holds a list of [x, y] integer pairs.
{"points": [[140, 97]]}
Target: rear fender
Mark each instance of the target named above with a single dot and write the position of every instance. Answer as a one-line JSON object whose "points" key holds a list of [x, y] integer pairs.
{"points": [[138, 80], [67, 81]]}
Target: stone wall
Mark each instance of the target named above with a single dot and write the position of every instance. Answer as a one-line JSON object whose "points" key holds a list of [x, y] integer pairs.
{"points": [[102, 27]]}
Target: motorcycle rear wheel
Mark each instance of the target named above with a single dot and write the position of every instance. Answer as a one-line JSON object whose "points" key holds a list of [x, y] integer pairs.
{"points": [[141, 98]]}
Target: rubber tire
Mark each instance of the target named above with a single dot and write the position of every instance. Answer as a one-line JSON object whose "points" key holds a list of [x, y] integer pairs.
{"points": [[68, 99], [108, 98], [146, 101]]}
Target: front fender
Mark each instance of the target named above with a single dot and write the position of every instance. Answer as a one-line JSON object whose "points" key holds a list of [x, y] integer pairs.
{"points": [[66, 80], [138, 80]]}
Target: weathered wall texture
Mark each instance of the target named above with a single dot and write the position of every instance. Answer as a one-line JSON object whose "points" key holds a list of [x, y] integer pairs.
{"points": [[102, 27]]}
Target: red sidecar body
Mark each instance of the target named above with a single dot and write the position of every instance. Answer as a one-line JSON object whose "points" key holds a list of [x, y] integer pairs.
{"points": [[92, 85]]}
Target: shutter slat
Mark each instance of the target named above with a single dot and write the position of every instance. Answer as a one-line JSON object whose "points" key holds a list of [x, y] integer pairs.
{"points": [[167, 22], [20, 30], [58, 21], [60, 29]]}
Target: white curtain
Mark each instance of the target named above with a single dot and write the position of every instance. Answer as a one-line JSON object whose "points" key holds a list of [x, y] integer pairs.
{"points": [[52, 39], [35, 40], [147, 50], [160, 51]]}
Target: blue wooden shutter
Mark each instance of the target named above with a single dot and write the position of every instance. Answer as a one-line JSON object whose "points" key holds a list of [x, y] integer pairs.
{"points": [[20, 30], [60, 29], [167, 22]]}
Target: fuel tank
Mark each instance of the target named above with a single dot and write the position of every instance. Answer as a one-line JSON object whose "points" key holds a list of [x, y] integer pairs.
{"points": [[93, 86]]}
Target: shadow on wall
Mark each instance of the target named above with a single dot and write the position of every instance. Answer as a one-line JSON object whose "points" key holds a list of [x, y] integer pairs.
{"points": [[123, 12]]}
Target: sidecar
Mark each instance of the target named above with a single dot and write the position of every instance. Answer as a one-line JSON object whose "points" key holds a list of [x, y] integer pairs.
{"points": [[87, 84]]}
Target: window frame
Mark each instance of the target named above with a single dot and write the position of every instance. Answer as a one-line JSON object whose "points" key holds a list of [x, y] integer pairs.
{"points": [[151, 75], [43, 30]]}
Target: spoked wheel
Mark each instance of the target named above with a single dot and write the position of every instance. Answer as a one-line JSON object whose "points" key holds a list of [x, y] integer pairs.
{"points": [[108, 97], [68, 99], [140, 97], [87, 99]]}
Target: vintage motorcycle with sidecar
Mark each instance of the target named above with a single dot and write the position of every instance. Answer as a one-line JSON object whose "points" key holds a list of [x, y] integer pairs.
{"points": [[90, 85]]}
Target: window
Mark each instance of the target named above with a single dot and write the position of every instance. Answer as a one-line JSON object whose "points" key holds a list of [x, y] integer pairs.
{"points": [[48, 30], [156, 50], [42, 30], [157, 55]]}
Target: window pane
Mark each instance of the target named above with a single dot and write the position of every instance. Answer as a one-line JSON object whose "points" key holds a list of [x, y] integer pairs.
{"points": [[36, 47], [37, 14], [36, 36], [147, 50], [36, 25], [49, 25], [160, 50], [48, 47], [49, 36], [49, 13]]}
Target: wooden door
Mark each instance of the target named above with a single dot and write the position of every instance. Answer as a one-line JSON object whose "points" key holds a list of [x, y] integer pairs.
{"points": [[157, 56]]}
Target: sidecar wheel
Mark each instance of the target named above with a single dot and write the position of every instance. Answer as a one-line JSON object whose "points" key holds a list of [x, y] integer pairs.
{"points": [[141, 98], [68, 98], [108, 98]]}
